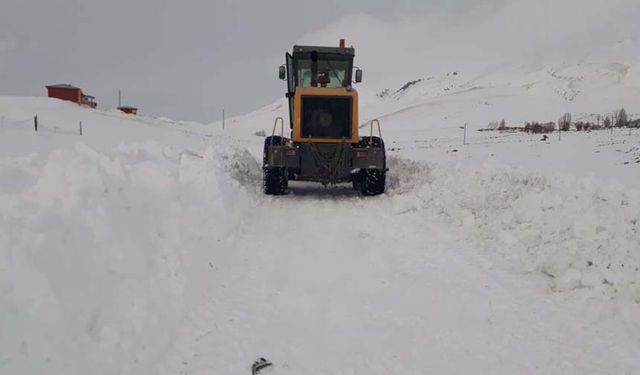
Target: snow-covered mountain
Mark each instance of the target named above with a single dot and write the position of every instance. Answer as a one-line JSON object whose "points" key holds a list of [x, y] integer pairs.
{"points": [[517, 60]]}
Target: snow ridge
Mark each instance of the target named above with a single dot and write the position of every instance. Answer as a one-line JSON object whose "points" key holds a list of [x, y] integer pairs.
{"points": [[528, 222]]}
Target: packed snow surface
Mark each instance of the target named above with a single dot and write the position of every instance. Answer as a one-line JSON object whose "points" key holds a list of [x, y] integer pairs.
{"points": [[145, 246]]}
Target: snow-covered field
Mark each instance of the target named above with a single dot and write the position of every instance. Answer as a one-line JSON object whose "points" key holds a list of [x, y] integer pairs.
{"points": [[145, 246]]}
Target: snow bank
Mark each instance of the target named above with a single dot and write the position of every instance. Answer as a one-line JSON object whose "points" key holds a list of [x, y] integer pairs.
{"points": [[97, 257], [578, 233]]}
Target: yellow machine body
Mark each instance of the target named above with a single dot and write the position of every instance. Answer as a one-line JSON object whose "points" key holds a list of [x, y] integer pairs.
{"points": [[319, 92]]}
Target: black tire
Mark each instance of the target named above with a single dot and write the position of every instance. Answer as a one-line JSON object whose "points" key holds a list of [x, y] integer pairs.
{"points": [[275, 181], [356, 184], [373, 182], [356, 180]]}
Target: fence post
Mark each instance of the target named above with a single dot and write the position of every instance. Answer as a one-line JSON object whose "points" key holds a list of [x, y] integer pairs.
{"points": [[464, 139], [35, 122], [81, 128]]}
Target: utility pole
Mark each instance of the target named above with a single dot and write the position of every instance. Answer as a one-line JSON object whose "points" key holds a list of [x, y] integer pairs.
{"points": [[222, 118], [464, 137]]}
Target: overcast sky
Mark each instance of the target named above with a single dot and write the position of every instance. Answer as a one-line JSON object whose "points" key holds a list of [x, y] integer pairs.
{"points": [[188, 59]]}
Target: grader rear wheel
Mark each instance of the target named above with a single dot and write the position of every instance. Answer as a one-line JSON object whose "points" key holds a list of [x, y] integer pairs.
{"points": [[373, 182]]}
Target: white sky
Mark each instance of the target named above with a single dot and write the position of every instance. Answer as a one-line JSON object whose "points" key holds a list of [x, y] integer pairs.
{"points": [[188, 59]]}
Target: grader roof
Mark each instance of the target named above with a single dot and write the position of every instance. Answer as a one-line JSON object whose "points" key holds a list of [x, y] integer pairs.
{"points": [[334, 50]]}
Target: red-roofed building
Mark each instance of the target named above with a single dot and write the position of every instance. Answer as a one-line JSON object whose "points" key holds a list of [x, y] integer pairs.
{"points": [[128, 110], [72, 94]]}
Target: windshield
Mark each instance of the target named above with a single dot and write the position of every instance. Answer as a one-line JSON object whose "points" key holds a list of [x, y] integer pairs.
{"points": [[327, 71]]}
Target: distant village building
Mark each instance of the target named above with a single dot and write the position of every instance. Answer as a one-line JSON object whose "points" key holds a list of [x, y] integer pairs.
{"points": [[128, 110], [72, 94]]}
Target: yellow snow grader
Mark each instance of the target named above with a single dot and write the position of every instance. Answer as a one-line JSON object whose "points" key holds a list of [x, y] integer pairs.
{"points": [[324, 144]]}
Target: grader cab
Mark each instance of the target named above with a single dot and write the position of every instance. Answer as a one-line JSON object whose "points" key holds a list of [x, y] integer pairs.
{"points": [[323, 143]]}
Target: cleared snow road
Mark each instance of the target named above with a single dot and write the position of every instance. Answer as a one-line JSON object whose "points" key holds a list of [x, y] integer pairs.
{"points": [[327, 282]]}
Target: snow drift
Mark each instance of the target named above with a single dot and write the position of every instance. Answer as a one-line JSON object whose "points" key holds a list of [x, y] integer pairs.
{"points": [[103, 254], [576, 232]]}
